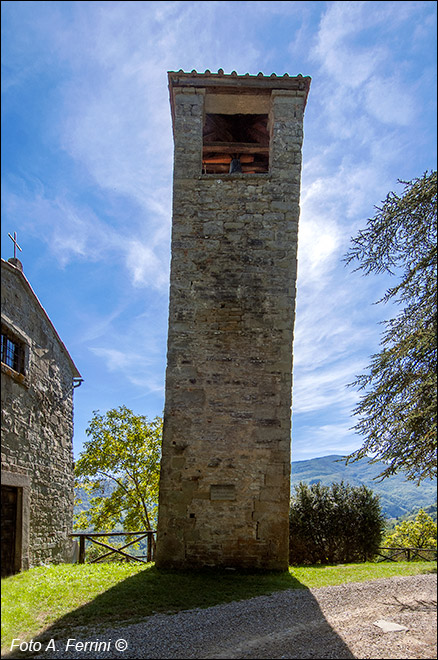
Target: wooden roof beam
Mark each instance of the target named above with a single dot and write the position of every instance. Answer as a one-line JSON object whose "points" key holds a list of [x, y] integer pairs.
{"points": [[234, 148]]}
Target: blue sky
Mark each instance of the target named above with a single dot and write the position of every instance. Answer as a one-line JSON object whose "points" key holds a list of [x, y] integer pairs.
{"points": [[87, 176]]}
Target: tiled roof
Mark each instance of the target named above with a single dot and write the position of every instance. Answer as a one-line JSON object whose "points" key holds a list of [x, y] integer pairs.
{"points": [[235, 83], [220, 74]]}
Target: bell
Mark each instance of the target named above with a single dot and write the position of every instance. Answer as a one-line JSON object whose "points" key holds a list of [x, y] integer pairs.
{"points": [[235, 166]]}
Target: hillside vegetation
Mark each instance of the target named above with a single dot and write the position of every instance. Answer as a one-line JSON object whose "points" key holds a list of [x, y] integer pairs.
{"points": [[397, 496]]}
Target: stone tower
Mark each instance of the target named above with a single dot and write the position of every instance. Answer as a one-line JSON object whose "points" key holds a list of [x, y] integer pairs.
{"points": [[225, 472]]}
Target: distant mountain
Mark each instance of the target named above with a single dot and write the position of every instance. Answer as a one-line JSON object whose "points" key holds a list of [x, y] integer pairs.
{"points": [[397, 496]]}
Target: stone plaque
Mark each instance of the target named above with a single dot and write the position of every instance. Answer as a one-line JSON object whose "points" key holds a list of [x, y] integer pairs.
{"points": [[223, 492]]}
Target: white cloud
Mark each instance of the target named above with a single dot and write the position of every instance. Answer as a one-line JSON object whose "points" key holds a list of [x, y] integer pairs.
{"points": [[134, 367], [364, 78], [74, 232], [333, 196], [69, 231], [115, 360], [136, 350], [324, 387], [343, 60], [389, 101], [318, 244], [145, 266]]}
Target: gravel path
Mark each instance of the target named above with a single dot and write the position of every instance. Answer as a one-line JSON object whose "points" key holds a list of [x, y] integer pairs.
{"points": [[331, 622]]}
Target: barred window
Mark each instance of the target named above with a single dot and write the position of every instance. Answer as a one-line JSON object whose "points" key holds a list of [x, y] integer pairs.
{"points": [[12, 351]]}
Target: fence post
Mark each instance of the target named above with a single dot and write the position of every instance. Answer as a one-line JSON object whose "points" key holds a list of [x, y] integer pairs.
{"points": [[82, 549], [149, 547]]}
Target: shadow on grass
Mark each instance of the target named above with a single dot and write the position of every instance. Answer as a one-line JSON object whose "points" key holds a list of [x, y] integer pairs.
{"points": [[153, 591]]}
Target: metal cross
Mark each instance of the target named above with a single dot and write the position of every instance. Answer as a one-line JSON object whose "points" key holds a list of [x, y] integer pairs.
{"points": [[14, 240]]}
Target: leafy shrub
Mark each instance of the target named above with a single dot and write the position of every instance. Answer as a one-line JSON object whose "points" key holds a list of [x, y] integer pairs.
{"points": [[418, 533], [334, 524]]}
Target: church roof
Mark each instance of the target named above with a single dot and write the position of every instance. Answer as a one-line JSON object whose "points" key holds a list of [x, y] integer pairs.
{"points": [[25, 282]]}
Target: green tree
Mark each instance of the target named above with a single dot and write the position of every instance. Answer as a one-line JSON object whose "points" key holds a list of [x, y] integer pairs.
{"points": [[397, 410], [119, 468], [332, 524], [418, 533]]}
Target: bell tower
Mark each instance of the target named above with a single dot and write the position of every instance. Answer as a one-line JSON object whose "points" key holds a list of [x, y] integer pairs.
{"points": [[225, 471]]}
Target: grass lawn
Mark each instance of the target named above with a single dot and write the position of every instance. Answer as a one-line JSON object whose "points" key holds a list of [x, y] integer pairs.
{"points": [[54, 598]]}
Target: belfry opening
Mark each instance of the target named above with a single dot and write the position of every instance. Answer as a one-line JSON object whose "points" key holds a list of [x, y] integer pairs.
{"points": [[242, 137]]}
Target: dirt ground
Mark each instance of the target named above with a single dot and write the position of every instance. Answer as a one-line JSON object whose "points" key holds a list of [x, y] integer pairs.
{"points": [[345, 626]]}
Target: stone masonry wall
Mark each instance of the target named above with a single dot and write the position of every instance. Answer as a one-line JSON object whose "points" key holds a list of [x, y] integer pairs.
{"points": [[225, 477], [37, 426]]}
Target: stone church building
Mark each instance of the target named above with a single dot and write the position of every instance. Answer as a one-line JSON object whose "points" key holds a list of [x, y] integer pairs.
{"points": [[37, 381], [225, 470]]}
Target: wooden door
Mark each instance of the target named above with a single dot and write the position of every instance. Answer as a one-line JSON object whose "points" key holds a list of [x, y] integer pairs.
{"points": [[9, 518]]}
